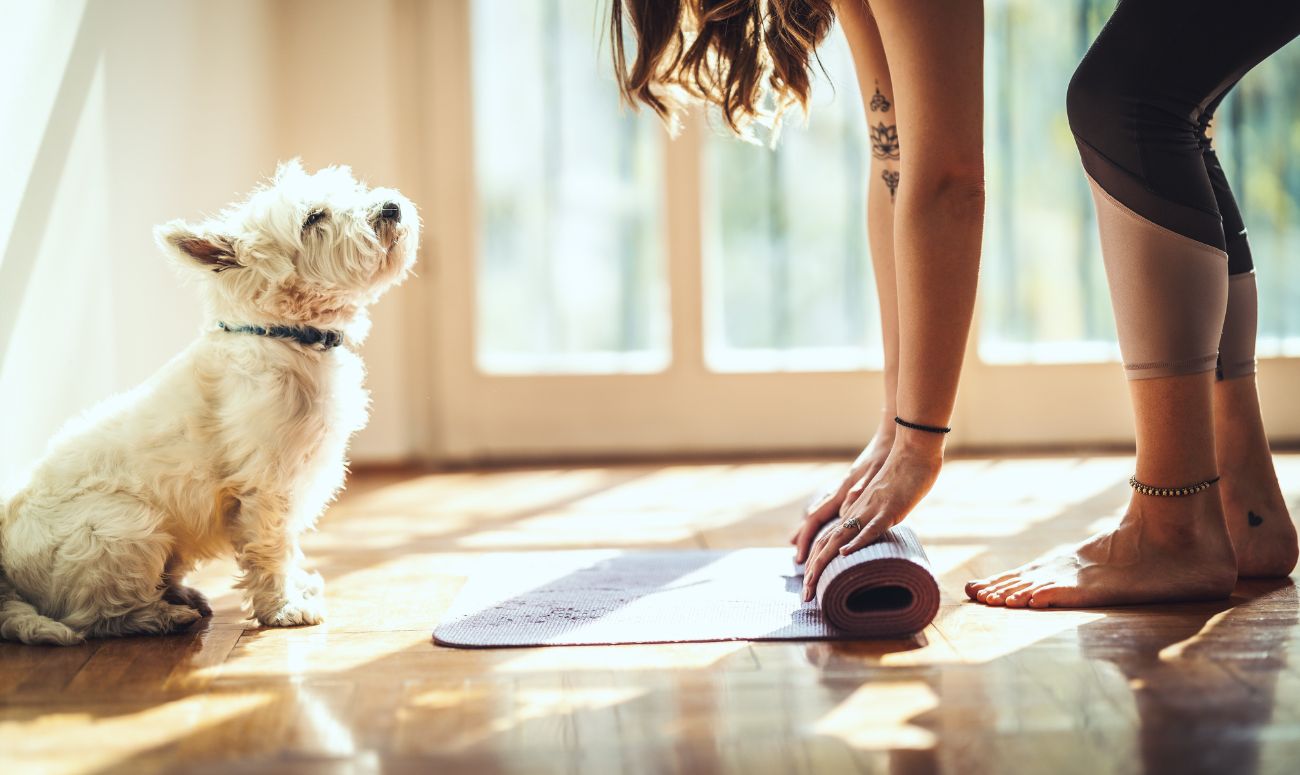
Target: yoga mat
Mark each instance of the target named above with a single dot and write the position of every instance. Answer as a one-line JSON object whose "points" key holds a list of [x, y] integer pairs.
{"points": [[601, 597]]}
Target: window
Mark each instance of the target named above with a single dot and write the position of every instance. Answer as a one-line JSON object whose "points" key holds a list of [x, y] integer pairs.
{"points": [[1043, 290], [789, 274], [627, 293], [1043, 294], [569, 189]]}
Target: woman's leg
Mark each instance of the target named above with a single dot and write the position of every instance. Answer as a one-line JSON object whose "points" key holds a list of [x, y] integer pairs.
{"points": [[1174, 548], [1263, 535], [1136, 105], [882, 184], [935, 53], [1256, 511]]}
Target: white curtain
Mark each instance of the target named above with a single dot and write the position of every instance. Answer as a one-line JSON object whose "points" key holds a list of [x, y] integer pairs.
{"points": [[132, 113]]}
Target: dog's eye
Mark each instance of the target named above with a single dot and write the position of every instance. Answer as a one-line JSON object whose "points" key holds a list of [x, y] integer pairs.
{"points": [[314, 217]]}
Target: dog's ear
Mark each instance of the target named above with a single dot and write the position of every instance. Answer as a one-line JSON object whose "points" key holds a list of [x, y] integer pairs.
{"points": [[199, 249]]}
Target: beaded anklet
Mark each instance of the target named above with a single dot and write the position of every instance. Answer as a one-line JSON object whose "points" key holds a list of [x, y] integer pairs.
{"points": [[1170, 492]]}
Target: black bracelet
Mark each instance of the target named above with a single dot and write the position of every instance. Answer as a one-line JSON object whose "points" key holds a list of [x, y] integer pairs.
{"points": [[918, 427]]}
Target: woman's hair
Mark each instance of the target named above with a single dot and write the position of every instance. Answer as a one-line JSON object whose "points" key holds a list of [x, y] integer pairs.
{"points": [[721, 51]]}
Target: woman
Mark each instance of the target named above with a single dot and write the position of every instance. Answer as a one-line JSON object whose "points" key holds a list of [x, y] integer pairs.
{"points": [[920, 69], [1206, 506]]}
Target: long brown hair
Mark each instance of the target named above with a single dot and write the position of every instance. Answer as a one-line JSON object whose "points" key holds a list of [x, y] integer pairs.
{"points": [[721, 51]]}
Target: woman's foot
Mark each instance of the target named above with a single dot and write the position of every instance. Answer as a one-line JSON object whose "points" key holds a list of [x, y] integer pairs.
{"points": [[1258, 521], [1164, 550], [1263, 534]]}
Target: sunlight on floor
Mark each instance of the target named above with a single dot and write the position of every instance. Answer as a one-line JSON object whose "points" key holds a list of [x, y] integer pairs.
{"points": [[104, 740], [875, 717], [482, 713], [632, 657], [316, 652], [997, 499], [984, 634], [669, 507]]}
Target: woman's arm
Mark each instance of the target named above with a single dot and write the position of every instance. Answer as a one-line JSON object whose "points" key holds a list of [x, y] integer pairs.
{"points": [[877, 90], [935, 54]]}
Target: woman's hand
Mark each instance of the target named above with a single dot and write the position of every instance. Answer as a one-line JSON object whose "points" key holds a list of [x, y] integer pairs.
{"points": [[906, 476], [862, 472]]}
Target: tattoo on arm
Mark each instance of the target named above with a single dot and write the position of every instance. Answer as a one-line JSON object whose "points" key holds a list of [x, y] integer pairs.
{"points": [[879, 102], [884, 141], [1254, 519], [891, 182]]}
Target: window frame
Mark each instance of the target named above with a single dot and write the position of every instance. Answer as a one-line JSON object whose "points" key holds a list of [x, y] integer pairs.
{"points": [[688, 409]]}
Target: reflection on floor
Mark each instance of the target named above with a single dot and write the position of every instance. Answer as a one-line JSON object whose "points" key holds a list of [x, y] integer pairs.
{"points": [[1192, 688]]}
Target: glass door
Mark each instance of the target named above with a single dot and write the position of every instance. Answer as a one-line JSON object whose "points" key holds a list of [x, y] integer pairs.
{"points": [[603, 290]]}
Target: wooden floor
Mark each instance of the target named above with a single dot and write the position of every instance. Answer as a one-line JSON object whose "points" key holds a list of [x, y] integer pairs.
{"points": [[1179, 689]]}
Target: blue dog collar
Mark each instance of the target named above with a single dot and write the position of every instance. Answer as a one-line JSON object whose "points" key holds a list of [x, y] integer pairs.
{"points": [[308, 336]]}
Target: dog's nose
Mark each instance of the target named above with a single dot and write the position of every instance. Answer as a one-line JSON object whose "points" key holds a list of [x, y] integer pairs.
{"points": [[390, 212]]}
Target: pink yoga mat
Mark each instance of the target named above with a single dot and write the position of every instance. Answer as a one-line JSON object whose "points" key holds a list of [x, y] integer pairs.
{"points": [[610, 596], [885, 589]]}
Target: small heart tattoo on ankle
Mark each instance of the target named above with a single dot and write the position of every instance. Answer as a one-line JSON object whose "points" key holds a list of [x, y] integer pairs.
{"points": [[1254, 519]]}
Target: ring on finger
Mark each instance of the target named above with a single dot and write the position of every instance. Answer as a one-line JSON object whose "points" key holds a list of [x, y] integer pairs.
{"points": [[852, 523]]}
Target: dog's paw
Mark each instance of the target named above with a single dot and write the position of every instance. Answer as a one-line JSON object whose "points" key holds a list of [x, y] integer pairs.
{"points": [[189, 596], [175, 618], [294, 613]]}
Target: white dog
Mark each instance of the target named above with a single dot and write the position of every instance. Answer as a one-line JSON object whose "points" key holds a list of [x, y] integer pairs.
{"points": [[238, 443]]}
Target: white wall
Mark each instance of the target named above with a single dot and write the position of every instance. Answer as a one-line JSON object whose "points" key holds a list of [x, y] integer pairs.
{"points": [[133, 112]]}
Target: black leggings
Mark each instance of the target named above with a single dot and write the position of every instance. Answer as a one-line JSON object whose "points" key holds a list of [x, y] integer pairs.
{"points": [[1139, 105]]}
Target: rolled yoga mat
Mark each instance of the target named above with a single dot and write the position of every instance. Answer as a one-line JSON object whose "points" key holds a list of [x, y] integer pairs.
{"points": [[885, 589], [591, 597]]}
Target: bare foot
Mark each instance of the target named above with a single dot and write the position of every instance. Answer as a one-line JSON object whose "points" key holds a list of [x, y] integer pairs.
{"points": [[1165, 549], [1263, 534]]}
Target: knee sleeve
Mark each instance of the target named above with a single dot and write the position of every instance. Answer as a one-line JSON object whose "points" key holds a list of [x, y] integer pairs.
{"points": [[1240, 261], [1169, 292], [1139, 105], [1240, 322], [1237, 346], [1162, 237], [1145, 154]]}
